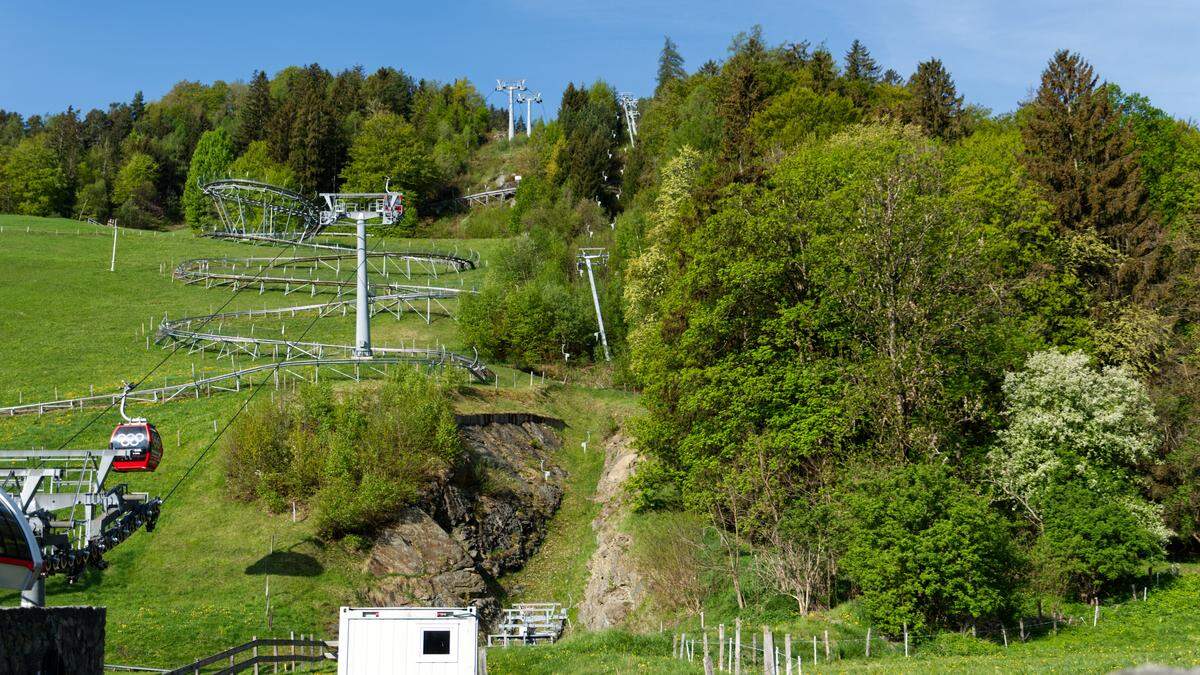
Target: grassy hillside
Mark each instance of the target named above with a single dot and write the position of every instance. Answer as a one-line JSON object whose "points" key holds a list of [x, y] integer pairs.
{"points": [[197, 584]]}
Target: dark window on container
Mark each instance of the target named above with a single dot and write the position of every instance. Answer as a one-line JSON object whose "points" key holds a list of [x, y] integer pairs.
{"points": [[435, 642]]}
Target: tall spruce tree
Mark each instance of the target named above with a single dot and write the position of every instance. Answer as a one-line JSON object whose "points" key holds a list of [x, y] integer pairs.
{"points": [[255, 114], [860, 65], [305, 133], [935, 105], [823, 70], [670, 64], [1081, 150], [860, 75], [743, 96]]}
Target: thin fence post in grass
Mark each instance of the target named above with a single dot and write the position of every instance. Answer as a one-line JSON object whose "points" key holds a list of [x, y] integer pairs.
{"points": [[737, 647], [275, 663], [1144, 592], [1004, 634], [868, 644], [708, 664], [292, 638], [826, 644], [721, 646], [906, 639], [1021, 623], [814, 651], [787, 652], [1095, 611], [254, 652], [674, 646], [754, 649], [768, 651]]}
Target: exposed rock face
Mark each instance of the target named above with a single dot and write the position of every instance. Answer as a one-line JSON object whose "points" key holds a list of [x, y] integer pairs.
{"points": [[615, 588], [481, 518]]}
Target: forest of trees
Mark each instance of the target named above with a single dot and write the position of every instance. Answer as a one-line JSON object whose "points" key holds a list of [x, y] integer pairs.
{"points": [[305, 128], [896, 347], [890, 345]]}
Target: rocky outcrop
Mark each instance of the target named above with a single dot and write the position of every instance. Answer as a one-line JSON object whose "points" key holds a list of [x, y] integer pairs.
{"points": [[482, 517], [614, 588]]}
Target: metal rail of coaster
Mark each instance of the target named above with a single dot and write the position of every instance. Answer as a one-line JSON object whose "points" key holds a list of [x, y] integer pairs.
{"points": [[66, 516], [258, 213]]}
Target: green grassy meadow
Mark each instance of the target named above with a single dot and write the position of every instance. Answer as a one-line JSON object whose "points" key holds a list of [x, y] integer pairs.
{"points": [[197, 584]]}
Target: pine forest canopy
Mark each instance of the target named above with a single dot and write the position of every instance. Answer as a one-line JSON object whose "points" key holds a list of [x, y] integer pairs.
{"points": [[829, 280]]}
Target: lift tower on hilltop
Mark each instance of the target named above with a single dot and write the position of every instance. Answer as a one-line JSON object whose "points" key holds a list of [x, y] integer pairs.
{"points": [[529, 100], [510, 86]]}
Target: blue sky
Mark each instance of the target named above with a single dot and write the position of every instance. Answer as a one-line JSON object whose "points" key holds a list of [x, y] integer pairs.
{"points": [[88, 54]]}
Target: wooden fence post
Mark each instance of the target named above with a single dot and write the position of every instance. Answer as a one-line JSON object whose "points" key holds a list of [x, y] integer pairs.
{"points": [[787, 652], [674, 646], [1004, 634], [1095, 611], [906, 638], [814, 651], [1021, 623], [868, 642], [754, 649], [254, 652], [737, 647], [826, 644], [708, 664], [768, 651], [721, 647]]}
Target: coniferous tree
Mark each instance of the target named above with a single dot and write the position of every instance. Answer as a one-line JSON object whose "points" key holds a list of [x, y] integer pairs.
{"points": [[1079, 148], [744, 96], [935, 104], [255, 115], [891, 77], [860, 65], [138, 106], [823, 70], [305, 133], [670, 64], [860, 75]]}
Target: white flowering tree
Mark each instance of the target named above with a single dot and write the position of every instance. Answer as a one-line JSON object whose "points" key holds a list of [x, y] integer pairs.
{"points": [[1067, 418]]}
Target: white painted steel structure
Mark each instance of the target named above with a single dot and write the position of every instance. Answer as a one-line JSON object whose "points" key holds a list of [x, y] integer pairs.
{"points": [[510, 86]]}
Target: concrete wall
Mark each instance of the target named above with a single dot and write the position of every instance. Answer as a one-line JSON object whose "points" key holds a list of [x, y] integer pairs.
{"points": [[52, 640]]}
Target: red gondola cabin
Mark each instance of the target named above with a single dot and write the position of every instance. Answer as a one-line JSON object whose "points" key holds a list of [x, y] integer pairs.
{"points": [[144, 446]]}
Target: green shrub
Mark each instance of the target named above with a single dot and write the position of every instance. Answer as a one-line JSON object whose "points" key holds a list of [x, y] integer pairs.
{"points": [[356, 459], [1090, 540], [959, 644], [926, 551]]}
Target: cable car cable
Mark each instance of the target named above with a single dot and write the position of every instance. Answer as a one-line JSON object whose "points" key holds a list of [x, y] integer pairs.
{"points": [[253, 392], [177, 347]]}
